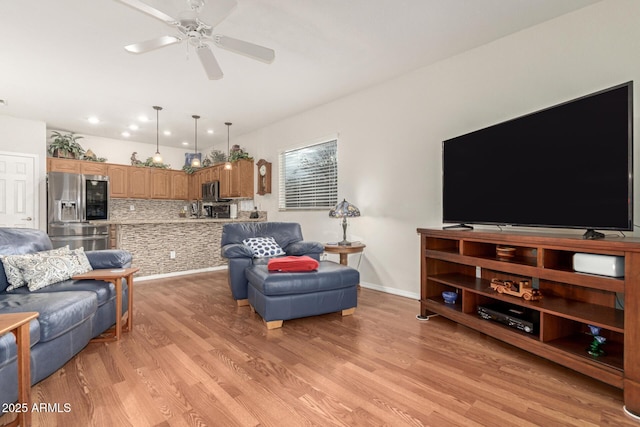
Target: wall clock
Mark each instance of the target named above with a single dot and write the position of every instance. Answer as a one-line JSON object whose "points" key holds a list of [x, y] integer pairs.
{"points": [[264, 177]]}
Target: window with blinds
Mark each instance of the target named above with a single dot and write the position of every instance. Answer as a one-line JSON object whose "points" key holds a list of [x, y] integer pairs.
{"points": [[309, 177]]}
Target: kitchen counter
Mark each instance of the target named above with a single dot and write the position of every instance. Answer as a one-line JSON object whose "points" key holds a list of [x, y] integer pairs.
{"points": [[163, 246], [173, 221]]}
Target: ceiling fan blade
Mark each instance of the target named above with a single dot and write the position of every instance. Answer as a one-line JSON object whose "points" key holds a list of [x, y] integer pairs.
{"points": [[150, 10], [209, 62], [214, 12], [148, 45], [242, 47]]}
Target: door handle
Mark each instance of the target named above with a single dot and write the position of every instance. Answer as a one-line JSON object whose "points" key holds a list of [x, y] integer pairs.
{"points": [[27, 218]]}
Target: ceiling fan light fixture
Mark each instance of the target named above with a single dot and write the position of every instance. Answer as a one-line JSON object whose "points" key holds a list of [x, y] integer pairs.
{"points": [[195, 161], [157, 158], [195, 32]]}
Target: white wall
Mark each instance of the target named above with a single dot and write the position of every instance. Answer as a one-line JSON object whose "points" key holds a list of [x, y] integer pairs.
{"points": [[390, 135], [119, 151], [28, 137]]}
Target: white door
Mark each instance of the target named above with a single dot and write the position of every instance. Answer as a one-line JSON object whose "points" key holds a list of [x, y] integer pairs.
{"points": [[18, 190]]}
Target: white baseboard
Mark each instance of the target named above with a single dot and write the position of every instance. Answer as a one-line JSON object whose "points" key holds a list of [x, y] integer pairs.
{"points": [[393, 291], [179, 273]]}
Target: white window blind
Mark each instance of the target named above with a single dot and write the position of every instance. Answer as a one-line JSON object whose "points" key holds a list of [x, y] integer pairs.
{"points": [[309, 177]]}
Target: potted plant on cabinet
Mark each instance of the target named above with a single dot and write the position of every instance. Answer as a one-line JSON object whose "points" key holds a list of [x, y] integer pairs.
{"points": [[66, 145]]}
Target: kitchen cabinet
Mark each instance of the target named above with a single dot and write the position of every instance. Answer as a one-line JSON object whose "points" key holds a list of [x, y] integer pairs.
{"points": [[118, 180], [240, 179], [55, 164], [139, 187], [93, 168], [179, 185], [160, 183], [195, 190]]}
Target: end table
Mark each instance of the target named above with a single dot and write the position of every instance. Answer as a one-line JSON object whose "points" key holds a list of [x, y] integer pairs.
{"points": [[18, 324], [115, 276], [344, 250]]}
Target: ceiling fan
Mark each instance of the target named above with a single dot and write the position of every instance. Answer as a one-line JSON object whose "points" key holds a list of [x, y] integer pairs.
{"points": [[196, 31]]}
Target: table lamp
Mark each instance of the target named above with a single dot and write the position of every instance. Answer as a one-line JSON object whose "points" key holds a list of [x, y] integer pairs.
{"points": [[343, 210]]}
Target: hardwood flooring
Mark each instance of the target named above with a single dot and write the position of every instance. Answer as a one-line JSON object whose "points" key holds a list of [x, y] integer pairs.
{"points": [[196, 359]]}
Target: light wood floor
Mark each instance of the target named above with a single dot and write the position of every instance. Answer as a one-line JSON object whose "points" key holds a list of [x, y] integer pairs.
{"points": [[195, 359]]}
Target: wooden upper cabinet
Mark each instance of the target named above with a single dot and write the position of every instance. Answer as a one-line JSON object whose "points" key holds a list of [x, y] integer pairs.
{"points": [[93, 168], [160, 181], [241, 179], [153, 183], [179, 185], [55, 164], [118, 180], [139, 187], [237, 182], [195, 190]]}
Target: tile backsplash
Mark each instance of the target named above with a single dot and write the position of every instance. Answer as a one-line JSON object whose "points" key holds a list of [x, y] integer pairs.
{"points": [[132, 209]]}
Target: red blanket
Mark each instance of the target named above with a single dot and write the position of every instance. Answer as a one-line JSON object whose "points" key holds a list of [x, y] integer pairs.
{"points": [[292, 264]]}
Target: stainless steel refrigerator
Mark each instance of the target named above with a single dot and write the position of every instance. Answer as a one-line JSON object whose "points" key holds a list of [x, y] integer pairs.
{"points": [[72, 201]]}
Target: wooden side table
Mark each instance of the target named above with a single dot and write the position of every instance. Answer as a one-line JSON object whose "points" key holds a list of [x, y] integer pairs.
{"points": [[344, 251], [18, 324], [115, 276]]}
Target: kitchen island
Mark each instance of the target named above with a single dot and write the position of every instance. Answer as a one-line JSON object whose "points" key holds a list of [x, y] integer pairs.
{"points": [[165, 246]]}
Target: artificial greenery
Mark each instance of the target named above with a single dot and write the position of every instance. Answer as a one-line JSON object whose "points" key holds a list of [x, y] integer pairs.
{"points": [[189, 169], [238, 153], [217, 156], [66, 145], [150, 164]]}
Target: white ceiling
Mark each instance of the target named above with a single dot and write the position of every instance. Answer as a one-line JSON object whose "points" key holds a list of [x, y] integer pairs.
{"points": [[62, 61]]}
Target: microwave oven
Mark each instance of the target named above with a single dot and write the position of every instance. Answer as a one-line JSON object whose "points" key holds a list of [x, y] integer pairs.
{"points": [[211, 192]]}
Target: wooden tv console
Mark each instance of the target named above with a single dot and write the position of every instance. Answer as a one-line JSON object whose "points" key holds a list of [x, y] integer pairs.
{"points": [[465, 261]]}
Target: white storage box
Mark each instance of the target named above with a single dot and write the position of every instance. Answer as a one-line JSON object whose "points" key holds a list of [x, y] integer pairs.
{"points": [[604, 265]]}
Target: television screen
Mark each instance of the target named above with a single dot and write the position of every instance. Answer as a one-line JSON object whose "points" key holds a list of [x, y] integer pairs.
{"points": [[568, 166]]}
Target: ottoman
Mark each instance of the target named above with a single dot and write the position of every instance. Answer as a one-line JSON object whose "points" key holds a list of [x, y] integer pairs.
{"points": [[279, 296]]}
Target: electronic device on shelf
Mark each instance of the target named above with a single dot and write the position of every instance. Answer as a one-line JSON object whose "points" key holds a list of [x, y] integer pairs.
{"points": [[567, 166], [514, 316]]}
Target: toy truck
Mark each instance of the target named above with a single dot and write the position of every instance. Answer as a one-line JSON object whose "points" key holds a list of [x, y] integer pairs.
{"points": [[520, 289]]}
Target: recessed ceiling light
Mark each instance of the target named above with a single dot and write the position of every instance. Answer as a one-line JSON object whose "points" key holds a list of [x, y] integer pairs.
{"points": [[167, 132], [93, 120], [210, 131], [185, 143], [125, 134], [143, 118], [3, 102], [134, 127]]}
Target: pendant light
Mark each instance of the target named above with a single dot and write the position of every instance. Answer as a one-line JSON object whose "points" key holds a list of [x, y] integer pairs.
{"points": [[227, 164], [157, 158], [195, 161]]}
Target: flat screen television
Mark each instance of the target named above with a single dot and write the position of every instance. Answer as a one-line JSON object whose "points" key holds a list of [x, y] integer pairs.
{"points": [[567, 166]]}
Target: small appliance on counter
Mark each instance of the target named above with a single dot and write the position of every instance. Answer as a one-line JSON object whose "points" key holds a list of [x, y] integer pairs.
{"points": [[217, 210]]}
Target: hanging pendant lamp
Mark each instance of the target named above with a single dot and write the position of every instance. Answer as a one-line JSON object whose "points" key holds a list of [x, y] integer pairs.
{"points": [[195, 161], [227, 164], [157, 158]]}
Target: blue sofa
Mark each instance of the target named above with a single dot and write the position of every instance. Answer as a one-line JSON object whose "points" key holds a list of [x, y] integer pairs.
{"points": [[288, 235], [72, 312]]}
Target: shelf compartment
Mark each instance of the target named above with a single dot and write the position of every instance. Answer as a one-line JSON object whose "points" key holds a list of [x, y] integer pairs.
{"points": [[522, 255], [584, 312], [578, 344], [444, 245]]}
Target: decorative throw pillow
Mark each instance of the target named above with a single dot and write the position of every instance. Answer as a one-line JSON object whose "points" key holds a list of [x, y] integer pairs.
{"points": [[49, 269], [83, 262], [13, 272], [263, 246]]}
